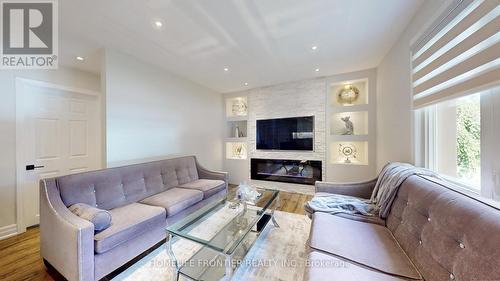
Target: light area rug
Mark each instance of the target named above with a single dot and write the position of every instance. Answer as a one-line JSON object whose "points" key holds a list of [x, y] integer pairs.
{"points": [[278, 253]]}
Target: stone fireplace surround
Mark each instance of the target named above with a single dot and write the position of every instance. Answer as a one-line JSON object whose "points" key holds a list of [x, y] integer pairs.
{"points": [[304, 98]]}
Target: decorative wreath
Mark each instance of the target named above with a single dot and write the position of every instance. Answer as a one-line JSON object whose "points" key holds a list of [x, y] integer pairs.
{"points": [[348, 94], [239, 107]]}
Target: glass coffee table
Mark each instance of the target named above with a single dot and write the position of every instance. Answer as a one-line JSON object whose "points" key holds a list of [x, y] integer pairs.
{"points": [[225, 230]]}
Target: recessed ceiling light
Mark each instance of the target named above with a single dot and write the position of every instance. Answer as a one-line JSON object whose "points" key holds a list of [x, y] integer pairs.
{"points": [[246, 83], [317, 70], [226, 69], [157, 24], [314, 48], [80, 58]]}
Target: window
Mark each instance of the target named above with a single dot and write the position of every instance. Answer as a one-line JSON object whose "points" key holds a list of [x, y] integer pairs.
{"points": [[468, 139], [459, 139], [456, 96]]}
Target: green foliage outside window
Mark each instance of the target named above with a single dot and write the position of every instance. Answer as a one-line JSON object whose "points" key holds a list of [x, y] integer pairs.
{"points": [[469, 138]]}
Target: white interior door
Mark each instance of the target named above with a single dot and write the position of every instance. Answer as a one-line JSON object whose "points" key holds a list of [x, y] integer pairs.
{"points": [[58, 134]]}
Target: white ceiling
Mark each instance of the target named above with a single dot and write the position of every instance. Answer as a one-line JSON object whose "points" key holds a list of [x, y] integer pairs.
{"points": [[262, 42]]}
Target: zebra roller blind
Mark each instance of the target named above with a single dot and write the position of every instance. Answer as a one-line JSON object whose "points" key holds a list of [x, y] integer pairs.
{"points": [[459, 55]]}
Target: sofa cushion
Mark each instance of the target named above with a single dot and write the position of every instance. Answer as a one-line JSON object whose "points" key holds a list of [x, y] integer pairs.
{"points": [[174, 200], [208, 187], [128, 222], [368, 244], [324, 267]]}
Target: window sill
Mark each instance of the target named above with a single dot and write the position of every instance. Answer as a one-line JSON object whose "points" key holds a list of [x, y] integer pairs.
{"points": [[452, 184], [463, 186]]}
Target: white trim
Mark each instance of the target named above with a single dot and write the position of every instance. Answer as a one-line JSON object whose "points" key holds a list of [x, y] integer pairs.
{"points": [[19, 155], [8, 231], [490, 114], [429, 149], [462, 185], [49, 85]]}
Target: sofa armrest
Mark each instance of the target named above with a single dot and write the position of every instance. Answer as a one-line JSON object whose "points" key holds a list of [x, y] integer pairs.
{"points": [[66, 240], [204, 173], [358, 189]]}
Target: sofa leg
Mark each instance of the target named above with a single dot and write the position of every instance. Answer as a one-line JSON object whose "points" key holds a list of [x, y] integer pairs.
{"points": [[53, 272]]}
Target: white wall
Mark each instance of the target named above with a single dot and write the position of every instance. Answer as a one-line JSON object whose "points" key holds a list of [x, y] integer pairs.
{"points": [[394, 111], [153, 114], [62, 76]]}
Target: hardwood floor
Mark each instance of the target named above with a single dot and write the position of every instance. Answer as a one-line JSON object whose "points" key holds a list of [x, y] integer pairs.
{"points": [[20, 255]]}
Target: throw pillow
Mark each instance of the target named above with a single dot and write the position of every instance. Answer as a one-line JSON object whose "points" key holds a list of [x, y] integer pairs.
{"points": [[99, 217]]}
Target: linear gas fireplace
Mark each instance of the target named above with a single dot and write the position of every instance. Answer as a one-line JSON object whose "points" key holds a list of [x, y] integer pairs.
{"points": [[294, 171]]}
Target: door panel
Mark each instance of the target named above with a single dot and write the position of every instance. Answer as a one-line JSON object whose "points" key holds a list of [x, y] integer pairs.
{"points": [[46, 142], [60, 134], [77, 107], [78, 138]]}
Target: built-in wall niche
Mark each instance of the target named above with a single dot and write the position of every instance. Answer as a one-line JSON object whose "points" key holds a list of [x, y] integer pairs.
{"points": [[349, 93], [236, 129], [349, 123], [349, 153], [236, 150], [236, 107]]}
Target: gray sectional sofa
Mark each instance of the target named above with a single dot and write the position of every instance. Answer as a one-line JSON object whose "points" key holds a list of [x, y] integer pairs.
{"points": [[432, 233], [142, 199]]}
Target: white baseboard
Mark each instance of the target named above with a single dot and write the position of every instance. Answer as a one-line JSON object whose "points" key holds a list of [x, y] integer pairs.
{"points": [[8, 231]]}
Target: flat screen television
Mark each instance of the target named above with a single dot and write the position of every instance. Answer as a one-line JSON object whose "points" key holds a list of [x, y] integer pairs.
{"points": [[286, 133]]}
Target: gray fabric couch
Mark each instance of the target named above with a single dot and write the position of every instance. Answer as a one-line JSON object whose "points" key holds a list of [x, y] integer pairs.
{"points": [[142, 199], [433, 233]]}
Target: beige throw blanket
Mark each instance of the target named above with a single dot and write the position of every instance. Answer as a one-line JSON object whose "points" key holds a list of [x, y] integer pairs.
{"points": [[390, 179]]}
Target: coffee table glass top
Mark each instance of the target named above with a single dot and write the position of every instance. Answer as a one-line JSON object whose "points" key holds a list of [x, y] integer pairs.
{"points": [[222, 225]]}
